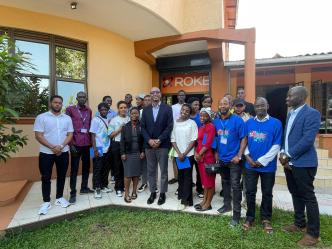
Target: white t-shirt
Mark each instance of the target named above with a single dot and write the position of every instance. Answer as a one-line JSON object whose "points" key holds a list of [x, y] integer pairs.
{"points": [[115, 124], [176, 111], [99, 128], [55, 129], [183, 134]]}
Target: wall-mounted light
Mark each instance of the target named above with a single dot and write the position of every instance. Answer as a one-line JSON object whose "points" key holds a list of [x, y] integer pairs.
{"points": [[73, 5]]}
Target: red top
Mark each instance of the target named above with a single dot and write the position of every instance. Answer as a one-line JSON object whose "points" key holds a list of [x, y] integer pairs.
{"points": [[81, 118], [210, 132]]}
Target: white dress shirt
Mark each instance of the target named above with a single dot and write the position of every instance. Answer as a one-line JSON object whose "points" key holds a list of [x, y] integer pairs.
{"points": [[55, 129]]}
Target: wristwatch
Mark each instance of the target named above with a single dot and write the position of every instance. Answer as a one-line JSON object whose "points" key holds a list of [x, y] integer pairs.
{"points": [[285, 157]]}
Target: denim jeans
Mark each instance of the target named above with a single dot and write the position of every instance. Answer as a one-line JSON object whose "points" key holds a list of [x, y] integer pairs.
{"points": [[231, 176]]}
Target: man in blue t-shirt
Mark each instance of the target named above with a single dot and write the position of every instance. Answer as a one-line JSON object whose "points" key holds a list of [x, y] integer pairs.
{"points": [[231, 142], [264, 140]]}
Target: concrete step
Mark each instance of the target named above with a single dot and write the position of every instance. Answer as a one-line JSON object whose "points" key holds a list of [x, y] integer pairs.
{"points": [[9, 191], [320, 181], [321, 171], [322, 153]]}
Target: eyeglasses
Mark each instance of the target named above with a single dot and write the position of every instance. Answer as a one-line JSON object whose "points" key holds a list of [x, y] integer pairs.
{"points": [[154, 92]]}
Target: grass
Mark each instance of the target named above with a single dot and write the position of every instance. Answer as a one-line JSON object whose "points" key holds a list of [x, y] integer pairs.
{"points": [[115, 227]]}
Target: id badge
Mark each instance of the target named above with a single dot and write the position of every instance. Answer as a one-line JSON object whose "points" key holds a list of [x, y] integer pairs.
{"points": [[84, 130], [223, 140]]}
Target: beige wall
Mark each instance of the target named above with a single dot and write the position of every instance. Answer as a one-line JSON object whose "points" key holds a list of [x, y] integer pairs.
{"points": [[113, 68], [187, 15]]}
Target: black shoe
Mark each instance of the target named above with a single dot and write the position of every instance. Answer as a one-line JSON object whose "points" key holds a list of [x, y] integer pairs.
{"points": [[162, 199], [84, 191], [72, 199], [198, 206], [142, 188], [204, 209], [172, 181], [152, 198], [224, 209], [234, 222]]}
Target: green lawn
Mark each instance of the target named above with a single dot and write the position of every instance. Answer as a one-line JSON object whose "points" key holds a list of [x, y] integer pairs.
{"points": [[114, 227]]}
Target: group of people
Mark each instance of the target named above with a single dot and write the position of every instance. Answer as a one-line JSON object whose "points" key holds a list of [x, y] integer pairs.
{"points": [[240, 141]]}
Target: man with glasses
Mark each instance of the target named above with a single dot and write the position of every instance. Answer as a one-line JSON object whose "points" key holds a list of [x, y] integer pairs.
{"points": [[157, 125]]}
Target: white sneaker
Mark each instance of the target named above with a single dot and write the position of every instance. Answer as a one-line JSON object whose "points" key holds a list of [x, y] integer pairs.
{"points": [[62, 202], [181, 206], [119, 193], [44, 208], [98, 194], [107, 190]]}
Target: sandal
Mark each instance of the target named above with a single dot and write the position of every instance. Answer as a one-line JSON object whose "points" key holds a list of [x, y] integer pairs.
{"points": [[267, 226], [247, 226], [127, 199], [133, 196]]}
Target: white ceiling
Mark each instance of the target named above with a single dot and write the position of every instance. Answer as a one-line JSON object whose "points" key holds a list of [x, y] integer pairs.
{"points": [[120, 16], [182, 48]]}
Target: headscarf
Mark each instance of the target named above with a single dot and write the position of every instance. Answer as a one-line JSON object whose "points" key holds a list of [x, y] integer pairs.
{"points": [[207, 110]]}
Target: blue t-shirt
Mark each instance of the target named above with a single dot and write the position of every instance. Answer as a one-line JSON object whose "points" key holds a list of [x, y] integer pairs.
{"points": [[261, 137], [197, 120], [229, 132]]}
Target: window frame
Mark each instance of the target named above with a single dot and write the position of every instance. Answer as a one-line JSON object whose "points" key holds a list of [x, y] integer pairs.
{"points": [[53, 41]]}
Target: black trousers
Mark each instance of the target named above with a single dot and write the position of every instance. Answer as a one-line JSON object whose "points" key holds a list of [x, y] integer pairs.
{"points": [[199, 187], [231, 176], [185, 179], [46, 162], [117, 166], [82, 153], [100, 171], [267, 183], [300, 185]]}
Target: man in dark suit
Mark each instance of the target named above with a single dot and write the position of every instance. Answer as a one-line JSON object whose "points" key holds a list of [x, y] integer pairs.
{"points": [[157, 125], [299, 159]]}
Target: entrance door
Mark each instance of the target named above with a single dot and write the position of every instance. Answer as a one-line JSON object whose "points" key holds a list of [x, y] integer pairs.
{"points": [[276, 96], [172, 99]]}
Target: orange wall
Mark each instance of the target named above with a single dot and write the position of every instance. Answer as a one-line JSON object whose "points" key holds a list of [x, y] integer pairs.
{"points": [[113, 68]]}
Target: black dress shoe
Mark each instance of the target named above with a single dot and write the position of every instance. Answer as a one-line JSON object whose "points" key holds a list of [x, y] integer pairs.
{"points": [[172, 181], [162, 199], [224, 209], [152, 198], [197, 205], [84, 191], [72, 199], [204, 209]]}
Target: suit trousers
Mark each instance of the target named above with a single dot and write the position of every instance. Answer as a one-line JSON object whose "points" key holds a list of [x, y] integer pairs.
{"points": [[300, 184], [82, 153], [155, 157]]}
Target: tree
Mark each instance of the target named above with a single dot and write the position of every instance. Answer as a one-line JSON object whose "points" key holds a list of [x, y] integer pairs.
{"points": [[11, 140]]}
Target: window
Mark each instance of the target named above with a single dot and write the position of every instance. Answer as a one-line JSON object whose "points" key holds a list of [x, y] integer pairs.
{"points": [[58, 65], [321, 99]]}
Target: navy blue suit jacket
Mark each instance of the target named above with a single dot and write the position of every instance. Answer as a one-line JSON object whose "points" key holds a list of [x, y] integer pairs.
{"points": [[161, 129], [301, 138]]}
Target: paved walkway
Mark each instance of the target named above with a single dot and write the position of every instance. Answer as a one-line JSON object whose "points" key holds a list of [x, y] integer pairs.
{"points": [[28, 211]]}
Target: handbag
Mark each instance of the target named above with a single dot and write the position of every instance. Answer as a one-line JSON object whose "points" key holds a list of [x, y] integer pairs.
{"points": [[212, 168]]}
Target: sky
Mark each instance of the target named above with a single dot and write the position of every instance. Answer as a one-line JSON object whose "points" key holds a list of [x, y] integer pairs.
{"points": [[286, 27]]}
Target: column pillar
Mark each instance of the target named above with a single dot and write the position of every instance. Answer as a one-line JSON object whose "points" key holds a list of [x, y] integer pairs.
{"points": [[250, 72]]}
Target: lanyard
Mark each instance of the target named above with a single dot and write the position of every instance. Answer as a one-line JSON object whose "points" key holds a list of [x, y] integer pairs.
{"points": [[103, 122], [224, 126], [83, 119]]}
